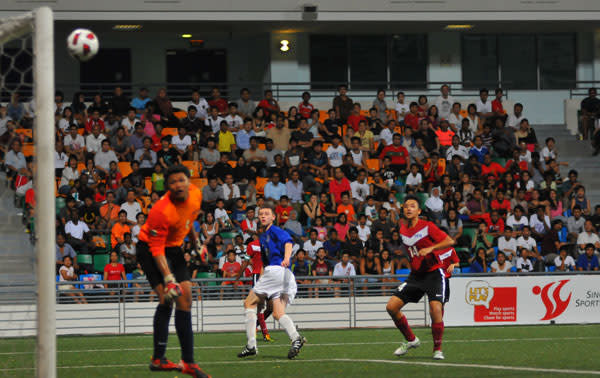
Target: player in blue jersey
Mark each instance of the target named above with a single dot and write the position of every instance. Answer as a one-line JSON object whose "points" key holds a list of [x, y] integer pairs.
{"points": [[277, 284]]}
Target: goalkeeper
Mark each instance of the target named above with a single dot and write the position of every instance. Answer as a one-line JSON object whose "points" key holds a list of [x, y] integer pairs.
{"points": [[161, 257]]}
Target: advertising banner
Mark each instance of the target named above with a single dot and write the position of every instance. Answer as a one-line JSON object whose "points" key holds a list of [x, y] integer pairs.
{"points": [[513, 300]]}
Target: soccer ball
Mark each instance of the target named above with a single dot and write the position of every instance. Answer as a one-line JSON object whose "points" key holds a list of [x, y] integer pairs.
{"points": [[82, 44]]}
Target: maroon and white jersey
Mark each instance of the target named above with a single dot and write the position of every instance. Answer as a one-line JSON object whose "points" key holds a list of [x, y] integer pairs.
{"points": [[448, 258], [424, 234]]}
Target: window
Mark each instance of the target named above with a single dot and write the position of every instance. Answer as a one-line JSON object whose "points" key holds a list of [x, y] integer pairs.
{"points": [[517, 55], [557, 61], [408, 61], [110, 66], [328, 60], [479, 61], [368, 62], [545, 61]]}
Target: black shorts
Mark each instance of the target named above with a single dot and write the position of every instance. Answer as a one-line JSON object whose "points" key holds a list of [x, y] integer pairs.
{"points": [[416, 285], [174, 256]]}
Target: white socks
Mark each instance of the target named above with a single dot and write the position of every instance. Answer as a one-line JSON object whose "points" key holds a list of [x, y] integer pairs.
{"points": [[286, 323], [250, 315]]}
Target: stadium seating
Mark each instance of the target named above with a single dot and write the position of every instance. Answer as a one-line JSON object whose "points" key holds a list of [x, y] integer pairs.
{"points": [[100, 262]]}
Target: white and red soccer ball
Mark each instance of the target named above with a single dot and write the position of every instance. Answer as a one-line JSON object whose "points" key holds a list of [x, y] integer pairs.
{"points": [[82, 44]]}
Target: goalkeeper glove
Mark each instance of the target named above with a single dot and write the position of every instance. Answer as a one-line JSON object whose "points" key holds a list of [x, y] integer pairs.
{"points": [[172, 288]]}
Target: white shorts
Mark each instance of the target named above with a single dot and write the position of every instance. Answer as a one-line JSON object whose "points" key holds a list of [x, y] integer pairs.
{"points": [[276, 282]]}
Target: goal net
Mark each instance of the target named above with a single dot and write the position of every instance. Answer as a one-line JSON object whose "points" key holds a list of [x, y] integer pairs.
{"points": [[27, 228]]}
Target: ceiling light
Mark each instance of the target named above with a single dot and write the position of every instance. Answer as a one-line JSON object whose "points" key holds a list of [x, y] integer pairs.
{"points": [[186, 36], [127, 27], [284, 45], [459, 27]]}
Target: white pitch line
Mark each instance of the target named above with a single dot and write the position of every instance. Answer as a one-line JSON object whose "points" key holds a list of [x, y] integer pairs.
{"points": [[532, 339], [394, 362]]}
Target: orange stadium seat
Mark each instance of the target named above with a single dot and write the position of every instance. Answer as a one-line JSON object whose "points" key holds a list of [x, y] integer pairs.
{"points": [[27, 132], [80, 166], [262, 146], [194, 168], [326, 146], [125, 168], [148, 184], [373, 164], [169, 131], [199, 182], [233, 163], [260, 185], [27, 149]]}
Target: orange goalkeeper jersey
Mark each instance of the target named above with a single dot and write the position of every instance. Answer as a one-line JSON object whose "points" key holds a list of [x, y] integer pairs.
{"points": [[170, 222]]}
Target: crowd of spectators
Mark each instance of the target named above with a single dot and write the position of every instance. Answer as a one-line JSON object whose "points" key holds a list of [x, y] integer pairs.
{"points": [[337, 177]]}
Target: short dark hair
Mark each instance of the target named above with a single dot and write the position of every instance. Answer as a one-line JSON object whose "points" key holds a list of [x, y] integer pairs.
{"points": [[174, 169], [410, 197]]}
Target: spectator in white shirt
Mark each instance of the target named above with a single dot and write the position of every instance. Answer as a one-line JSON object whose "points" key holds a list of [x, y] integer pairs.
{"points": [[414, 180], [129, 122], [336, 152], [507, 243], [455, 118], [76, 232], [105, 156], [93, 142], [444, 102], [501, 265], [182, 143], [200, 104], [517, 220], [230, 191], [233, 119], [484, 106], [457, 149], [74, 143], [343, 269], [312, 245], [514, 120], [524, 263], [131, 207], [360, 189], [526, 241], [214, 120], [588, 236], [539, 222], [563, 261], [364, 230], [401, 108]]}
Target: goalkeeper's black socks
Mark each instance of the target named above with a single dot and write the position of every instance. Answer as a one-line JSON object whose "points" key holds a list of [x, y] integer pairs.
{"points": [[183, 325], [162, 316]]}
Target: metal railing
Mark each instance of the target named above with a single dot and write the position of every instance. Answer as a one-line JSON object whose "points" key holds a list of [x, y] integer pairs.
{"points": [[282, 91], [128, 306]]}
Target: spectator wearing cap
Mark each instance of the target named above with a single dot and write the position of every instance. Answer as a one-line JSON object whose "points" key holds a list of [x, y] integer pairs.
{"points": [[588, 261]]}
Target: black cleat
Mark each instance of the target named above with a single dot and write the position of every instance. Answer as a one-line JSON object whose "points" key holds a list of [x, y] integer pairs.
{"points": [[296, 346], [247, 352]]}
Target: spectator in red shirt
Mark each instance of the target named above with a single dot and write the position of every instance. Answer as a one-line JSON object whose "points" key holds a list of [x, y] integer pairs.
{"points": [[230, 269], [217, 101], [269, 104], [305, 108], [113, 271], [444, 134], [355, 118], [500, 203], [397, 153], [283, 210], [412, 118], [495, 225], [94, 120], [339, 185], [497, 106], [489, 167]]}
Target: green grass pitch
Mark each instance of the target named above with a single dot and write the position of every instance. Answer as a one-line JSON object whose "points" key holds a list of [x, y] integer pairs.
{"points": [[525, 351]]}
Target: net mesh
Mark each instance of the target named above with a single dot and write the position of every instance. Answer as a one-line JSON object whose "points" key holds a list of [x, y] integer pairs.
{"points": [[17, 257]]}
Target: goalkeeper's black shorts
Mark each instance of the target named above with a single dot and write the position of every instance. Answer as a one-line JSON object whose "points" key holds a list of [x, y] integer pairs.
{"points": [[416, 285], [174, 256]]}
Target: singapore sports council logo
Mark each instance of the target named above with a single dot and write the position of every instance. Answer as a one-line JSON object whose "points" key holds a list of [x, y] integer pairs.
{"points": [[556, 307]]}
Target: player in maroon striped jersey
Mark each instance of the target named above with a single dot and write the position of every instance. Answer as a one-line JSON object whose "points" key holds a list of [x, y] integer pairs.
{"points": [[424, 242]]}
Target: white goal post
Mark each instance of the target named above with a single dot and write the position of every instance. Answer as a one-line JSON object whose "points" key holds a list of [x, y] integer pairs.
{"points": [[40, 22]]}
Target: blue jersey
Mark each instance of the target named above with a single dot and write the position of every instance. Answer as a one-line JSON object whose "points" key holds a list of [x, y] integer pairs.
{"points": [[272, 245]]}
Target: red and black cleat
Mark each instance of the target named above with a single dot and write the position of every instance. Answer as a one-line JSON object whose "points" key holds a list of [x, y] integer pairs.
{"points": [[193, 369], [162, 364]]}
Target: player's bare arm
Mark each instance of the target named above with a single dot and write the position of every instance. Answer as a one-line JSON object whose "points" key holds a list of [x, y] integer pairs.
{"points": [[288, 254]]}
